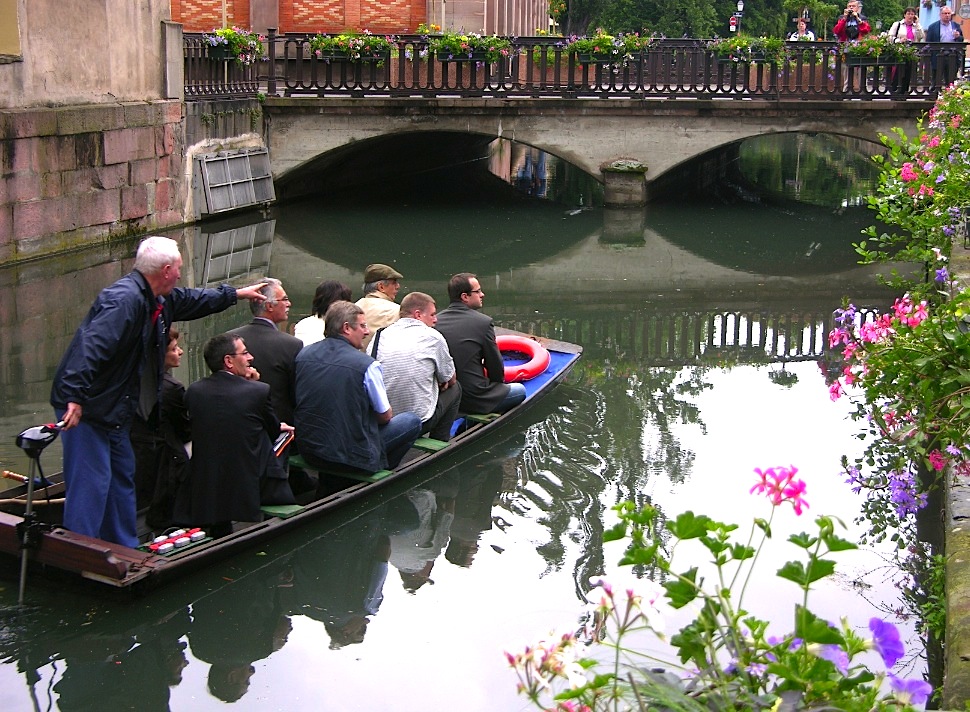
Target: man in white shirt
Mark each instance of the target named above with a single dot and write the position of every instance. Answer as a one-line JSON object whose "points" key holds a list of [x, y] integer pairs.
{"points": [[419, 373]]}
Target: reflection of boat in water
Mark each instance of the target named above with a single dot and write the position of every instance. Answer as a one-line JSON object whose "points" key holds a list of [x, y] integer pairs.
{"points": [[215, 631], [121, 567]]}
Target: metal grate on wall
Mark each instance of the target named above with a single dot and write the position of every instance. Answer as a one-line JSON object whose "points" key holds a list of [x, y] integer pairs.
{"points": [[229, 180]]}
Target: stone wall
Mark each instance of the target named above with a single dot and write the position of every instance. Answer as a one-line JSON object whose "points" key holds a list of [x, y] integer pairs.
{"points": [[72, 176], [85, 51], [91, 134]]}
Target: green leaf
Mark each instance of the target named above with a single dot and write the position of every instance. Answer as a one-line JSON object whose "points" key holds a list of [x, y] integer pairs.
{"points": [[689, 525], [812, 629], [639, 555], [615, 533], [803, 540], [793, 571], [741, 552], [835, 543], [681, 592]]}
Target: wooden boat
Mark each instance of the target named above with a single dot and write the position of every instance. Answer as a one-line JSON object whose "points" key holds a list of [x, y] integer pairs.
{"points": [[61, 551]]}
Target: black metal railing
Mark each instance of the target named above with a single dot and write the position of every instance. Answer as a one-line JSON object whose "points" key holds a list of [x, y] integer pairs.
{"points": [[212, 76], [542, 67]]}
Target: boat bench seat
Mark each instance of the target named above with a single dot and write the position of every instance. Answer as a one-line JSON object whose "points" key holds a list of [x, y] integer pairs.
{"points": [[298, 461], [429, 444], [283, 511], [481, 417]]}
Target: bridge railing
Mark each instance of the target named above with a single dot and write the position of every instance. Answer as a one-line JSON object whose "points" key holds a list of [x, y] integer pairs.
{"points": [[542, 67], [209, 77]]}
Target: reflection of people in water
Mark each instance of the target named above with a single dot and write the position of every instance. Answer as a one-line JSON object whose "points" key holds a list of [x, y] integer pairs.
{"points": [[232, 629], [131, 670], [414, 551], [340, 577], [473, 513]]}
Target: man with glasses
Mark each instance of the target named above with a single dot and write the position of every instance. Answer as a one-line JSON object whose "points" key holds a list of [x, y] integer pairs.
{"points": [[233, 429], [471, 341], [274, 351], [343, 417]]}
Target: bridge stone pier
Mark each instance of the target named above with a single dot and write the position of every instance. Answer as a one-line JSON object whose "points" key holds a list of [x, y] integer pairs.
{"points": [[590, 133]]}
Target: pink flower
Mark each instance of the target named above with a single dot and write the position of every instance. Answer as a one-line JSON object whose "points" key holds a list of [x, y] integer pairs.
{"points": [[835, 391], [937, 461], [779, 485], [907, 173]]}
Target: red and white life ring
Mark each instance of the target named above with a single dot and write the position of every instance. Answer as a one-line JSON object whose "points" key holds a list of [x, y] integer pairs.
{"points": [[539, 357]]}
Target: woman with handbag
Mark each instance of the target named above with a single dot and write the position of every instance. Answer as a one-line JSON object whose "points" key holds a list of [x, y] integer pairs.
{"points": [[906, 30]]}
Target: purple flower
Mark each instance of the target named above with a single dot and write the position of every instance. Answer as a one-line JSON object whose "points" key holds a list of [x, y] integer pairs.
{"points": [[855, 479], [942, 275], [885, 639], [953, 450], [910, 692], [835, 655], [905, 494]]}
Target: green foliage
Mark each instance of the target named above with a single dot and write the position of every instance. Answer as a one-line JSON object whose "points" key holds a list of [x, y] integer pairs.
{"points": [[726, 656], [353, 46], [459, 45], [740, 47], [244, 46], [924, 187], [879, 45]]}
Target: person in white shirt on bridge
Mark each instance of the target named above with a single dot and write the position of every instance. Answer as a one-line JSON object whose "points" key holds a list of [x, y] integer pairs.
{"points": [[419, 373]]}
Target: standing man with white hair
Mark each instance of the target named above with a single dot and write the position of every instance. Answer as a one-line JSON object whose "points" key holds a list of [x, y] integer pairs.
{"points": [[112, 368]]}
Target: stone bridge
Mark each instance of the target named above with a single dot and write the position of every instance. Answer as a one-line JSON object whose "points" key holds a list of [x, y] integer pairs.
{"points": [[313, 135]]}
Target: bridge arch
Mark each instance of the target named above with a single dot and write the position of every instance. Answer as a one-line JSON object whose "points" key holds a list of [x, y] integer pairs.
{"points": [[587, 133]]}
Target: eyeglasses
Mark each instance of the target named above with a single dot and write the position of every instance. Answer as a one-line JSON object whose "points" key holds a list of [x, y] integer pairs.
{"points": [[240, 353], [475, 291]]}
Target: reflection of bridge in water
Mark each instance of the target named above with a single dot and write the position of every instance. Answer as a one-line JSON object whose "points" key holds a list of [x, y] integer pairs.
{"points": [[686, 337], [593, 293]]}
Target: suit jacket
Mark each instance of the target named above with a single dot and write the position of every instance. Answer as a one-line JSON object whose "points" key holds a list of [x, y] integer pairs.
{"points": [[933, 32], [478, 361], [274, 356], [233, 426]]}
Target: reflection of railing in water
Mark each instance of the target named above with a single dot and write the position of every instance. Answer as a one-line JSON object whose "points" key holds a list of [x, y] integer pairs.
{"points": [[686, 337]]}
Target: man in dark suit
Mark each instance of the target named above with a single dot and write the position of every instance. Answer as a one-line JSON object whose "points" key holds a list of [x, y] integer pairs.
{"points": [[471, 341], [233, 427], [944, 60], [274, 351]]}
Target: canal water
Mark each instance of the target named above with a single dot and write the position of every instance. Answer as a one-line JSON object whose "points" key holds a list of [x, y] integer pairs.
{"points": [[702, 322]]}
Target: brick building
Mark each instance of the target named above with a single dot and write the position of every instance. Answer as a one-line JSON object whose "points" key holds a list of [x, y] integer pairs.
{"points": [[501, 17]]}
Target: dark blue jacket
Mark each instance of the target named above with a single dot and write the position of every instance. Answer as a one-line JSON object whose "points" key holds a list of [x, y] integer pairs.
{"points": [[101, 369], [334, 418]]}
